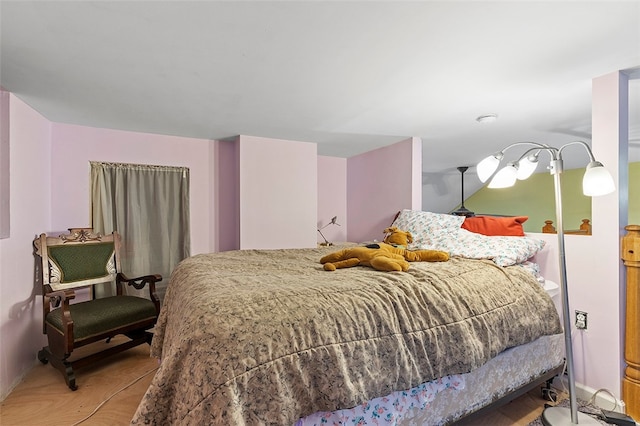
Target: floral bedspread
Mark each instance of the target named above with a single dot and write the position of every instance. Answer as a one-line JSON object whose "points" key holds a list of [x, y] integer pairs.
{"points": [[387, 410], [266, 337]]}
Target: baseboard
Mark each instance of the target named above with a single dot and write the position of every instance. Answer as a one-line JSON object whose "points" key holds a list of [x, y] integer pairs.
{"points": [[5, 393], [603, 399]]}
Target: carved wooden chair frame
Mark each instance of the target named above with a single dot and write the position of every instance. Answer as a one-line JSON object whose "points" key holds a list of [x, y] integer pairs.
{"points": [[83, 259]]}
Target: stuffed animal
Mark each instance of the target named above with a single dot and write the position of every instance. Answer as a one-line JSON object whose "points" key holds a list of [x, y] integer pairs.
{"points": [[380, 256], [397, 237]]}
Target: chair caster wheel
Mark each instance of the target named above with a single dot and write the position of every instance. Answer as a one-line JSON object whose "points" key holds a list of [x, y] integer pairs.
{"points": [[42, 357]]}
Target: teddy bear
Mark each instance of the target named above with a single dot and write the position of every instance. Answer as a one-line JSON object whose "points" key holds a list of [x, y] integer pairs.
{"points": [[397, 237], [380, 256]]}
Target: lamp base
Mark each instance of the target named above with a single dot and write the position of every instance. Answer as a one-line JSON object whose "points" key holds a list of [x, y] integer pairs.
{"points": [[554, 416]]}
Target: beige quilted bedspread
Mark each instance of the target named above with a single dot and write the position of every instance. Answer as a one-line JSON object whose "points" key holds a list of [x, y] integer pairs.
{"points": [[267, 336]]}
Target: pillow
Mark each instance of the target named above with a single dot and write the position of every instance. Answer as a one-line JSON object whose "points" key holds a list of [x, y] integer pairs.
{"points": [[504, 251], [422, 224], [500, 226], [534, 269]]}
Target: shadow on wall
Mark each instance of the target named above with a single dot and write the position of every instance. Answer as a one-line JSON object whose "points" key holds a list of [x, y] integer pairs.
{"points": [[26, 307], [24, 325]]}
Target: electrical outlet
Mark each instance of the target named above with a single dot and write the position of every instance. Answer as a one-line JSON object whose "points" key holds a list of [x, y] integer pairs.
{"points": [[581, 320]]}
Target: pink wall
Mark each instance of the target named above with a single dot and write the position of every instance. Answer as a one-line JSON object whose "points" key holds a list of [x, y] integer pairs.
{"points": [[4, 163], [332, 198], [227, 199], [73, 147], [379, 184], [598, 272], [20, 308], [278, 193]]}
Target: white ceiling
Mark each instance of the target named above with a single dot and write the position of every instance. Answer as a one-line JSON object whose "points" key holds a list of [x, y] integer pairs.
{"points": [[350, 76]]}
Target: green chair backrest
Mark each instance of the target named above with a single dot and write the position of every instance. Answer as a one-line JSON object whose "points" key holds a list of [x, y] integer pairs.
{"points": [[77, 263]]}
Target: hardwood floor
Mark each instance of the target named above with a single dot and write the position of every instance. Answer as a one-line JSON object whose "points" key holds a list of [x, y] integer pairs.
{"points": [[44, 399], [520, 412]]}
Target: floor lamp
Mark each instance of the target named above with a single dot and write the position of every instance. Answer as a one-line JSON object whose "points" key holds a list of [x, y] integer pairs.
{"points": [[596, 181], [462, 210]]}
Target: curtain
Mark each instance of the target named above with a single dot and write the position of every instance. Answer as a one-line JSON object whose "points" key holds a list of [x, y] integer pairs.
{"points": [[149, 207]]}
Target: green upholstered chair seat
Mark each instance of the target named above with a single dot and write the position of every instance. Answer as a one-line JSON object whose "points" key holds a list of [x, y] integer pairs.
{"points": [[98, 316]]}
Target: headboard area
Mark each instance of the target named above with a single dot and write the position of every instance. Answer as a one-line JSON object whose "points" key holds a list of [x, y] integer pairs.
{"points": [[583, 229]]}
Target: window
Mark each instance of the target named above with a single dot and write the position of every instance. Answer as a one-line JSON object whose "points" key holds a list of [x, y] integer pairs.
{"points": [[149, 207]]}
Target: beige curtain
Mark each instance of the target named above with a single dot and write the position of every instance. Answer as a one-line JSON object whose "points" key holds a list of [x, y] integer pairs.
{"points": [[149, 207]]}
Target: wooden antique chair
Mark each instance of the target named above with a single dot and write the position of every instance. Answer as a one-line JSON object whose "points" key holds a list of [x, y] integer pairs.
{"points": [[82, 259]]}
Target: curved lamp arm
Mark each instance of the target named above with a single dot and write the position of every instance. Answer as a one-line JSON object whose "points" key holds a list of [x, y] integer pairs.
{"points": [[584, 145], [596, 181], [487, 167]]}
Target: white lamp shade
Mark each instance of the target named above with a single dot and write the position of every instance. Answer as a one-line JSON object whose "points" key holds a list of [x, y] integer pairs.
{"points": [[597, 180], [505, 178], [487, 167], [526, 167]]}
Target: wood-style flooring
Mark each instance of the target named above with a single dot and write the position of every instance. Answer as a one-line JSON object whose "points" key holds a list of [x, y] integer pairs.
{"points": [[43, 398]]}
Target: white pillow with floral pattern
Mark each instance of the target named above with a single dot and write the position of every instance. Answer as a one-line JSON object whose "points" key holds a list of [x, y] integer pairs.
{"points": [[423, 224], [504, 251]]}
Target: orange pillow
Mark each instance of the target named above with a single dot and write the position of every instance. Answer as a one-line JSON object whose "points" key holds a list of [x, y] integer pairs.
{"points": [[495, 226]]}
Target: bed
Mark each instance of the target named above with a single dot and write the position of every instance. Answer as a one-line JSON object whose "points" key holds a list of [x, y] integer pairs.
{"points": [[252, 337]]}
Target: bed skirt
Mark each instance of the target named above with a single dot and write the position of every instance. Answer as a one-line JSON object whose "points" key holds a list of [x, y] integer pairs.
{"points": [[440, 402]]}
